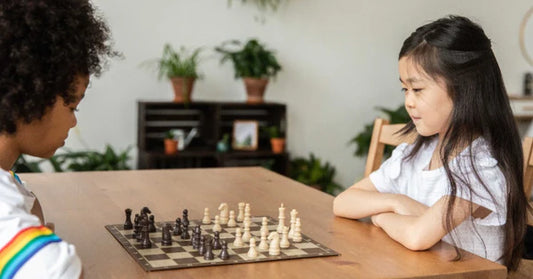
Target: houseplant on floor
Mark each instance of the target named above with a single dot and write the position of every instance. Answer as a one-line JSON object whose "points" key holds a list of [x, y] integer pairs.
{"points": [[180, 67], [315, 174], [253, 63]]}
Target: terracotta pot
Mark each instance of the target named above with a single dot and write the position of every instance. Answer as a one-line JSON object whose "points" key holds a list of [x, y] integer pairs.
{"points": [[171, 146], [255, 89], [278, 145], [182, 89]]}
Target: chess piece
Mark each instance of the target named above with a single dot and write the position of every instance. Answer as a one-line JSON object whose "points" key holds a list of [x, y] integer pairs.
{"points": [[201, 246], [207, 219], [223, 208], [246, 235], [195, 239], [263, 245], [231, 222], [264, 225], [185, 219], [145, 211], [281, 219], [240, 217], [273, 248], [177, 227], [136, 226], [297, 236], [185, 231], [145, 242], [166, 238], [128, 225], [284, 243], [294, 214], [238, 238], [224, 255], [247, 214], [216, 241], [208, 251], [216, 226], [151, 225], [252, 253]]}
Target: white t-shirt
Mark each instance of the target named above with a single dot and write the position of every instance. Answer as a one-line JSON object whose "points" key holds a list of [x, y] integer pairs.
{"points": [[484, 237], [33, 251]]}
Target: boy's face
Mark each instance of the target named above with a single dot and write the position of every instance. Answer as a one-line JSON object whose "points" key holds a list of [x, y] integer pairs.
{"points": [[41, 138]]}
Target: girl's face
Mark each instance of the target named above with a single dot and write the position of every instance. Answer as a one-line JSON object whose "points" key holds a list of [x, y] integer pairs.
{"points": [[427, 100]]}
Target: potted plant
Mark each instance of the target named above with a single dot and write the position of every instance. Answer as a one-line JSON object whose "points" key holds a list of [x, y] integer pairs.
{"points": [[171, 145], [180, 67], [277, 141], [253, 63], [315, 174]]}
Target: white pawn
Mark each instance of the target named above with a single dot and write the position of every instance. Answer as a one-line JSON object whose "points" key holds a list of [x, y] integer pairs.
{"points": [[247, 214], [284, 243], [297, 236], [207, 219], [264, 226], [281, 218], [216, 226], [263, 245], [252, 253], [238, 240], [273, 249], [246, 235], [223, 208], [294, 214], [231, 222], [240, 217]]}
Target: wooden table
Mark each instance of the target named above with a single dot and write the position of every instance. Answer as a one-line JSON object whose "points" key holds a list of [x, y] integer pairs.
{"points": [[80, 204]]}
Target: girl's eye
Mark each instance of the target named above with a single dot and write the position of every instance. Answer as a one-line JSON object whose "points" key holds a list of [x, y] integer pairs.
{"points": [[404, 90], [74, 109], [417, 89]]}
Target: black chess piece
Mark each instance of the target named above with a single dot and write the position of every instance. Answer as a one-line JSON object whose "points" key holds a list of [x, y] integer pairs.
{"points": [[185, 219], [136, 227], [201, 246], [177, 227], [224, 255], [185, 231], [145, 243], [128, 225], [151, 226], [208, 251], [216, 241], [194, 239], [166, 238]]}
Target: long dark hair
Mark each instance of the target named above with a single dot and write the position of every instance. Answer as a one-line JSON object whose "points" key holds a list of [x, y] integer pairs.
{"points": [[457, 51]]}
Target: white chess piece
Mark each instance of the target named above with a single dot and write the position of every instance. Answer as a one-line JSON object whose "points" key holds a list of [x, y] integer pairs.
{"points": [[294, 214], [247, 214], [238, 240], [231, 222], [252, 253], [246, 235], [281, 219], [240, 217], [297, 236], [284, 243], [216, 226], [207, 219], [263, 245], [223, 208], [264, 225], [273, 248]]}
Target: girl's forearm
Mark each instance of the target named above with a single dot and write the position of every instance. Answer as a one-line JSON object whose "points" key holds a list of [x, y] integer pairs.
{"points": [[357, 203]]}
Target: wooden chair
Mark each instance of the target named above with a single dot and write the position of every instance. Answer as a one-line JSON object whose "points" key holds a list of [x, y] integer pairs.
{"points": [[527, 147], [383, 134]]}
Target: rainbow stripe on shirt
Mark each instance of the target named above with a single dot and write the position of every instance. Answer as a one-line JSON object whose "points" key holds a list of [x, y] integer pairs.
{"points": [[22, 247], [16, 177]]}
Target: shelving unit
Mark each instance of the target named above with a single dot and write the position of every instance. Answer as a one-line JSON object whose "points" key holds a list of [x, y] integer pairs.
{"points": [[213, 120]]}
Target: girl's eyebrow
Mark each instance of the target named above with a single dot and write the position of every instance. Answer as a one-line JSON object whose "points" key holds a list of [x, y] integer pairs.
{"points": [[411, 80]]}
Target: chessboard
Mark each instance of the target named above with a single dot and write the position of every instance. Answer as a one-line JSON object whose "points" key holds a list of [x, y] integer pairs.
{"points": [[181, 254]]}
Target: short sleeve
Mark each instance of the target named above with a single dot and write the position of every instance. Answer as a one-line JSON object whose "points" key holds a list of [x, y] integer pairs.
{"points": [[384, 179]]}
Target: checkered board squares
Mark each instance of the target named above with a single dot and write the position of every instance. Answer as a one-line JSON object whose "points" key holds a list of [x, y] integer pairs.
{"points": [[181, 254]]}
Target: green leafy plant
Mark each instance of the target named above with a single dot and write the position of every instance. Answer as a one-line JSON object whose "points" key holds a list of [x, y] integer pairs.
{"points": [[362, 140], [252, 60], [273, 132], [182, 63], [261, 4], [169, 135], [313, 173]]}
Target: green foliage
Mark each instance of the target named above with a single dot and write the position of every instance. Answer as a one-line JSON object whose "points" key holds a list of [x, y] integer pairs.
{"points": [[273, 132], [261, 4], [79, 161], [252, 60], [312, 172], [362, 140], [169, 134], [178, 64]]}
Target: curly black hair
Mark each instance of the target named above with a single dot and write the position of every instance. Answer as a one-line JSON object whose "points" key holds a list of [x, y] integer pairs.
{"points": [[44, 46]]}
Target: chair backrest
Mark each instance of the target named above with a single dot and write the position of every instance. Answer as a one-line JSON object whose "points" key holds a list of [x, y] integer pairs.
{"points": [[527, 147], [383, 134]]}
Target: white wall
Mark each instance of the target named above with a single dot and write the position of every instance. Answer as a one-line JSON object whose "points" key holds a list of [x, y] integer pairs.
{"points": [[339, 59]]}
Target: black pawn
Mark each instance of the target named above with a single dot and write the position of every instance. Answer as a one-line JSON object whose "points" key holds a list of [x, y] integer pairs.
{"points": [[128, 225], [185, 231], [201, 246], [151, 226], [166, 238], [208, 251], [224, 253], [216, 241], [145, 243], [136, 227], [177, 227], [185, 219]]}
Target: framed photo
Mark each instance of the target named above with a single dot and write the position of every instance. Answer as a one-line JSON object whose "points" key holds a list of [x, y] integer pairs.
{"points": [[245, 133]]}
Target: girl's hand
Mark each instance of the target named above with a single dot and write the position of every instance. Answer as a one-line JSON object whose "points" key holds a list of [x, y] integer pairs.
{"points": [[407, 206]]}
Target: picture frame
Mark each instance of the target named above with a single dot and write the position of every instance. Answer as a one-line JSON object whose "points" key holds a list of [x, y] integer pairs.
{"points": [[245, 135]]}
